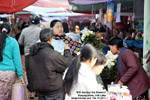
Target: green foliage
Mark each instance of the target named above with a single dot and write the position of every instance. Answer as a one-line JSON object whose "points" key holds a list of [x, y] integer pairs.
{"points": [[93, 40], [110, 73]]}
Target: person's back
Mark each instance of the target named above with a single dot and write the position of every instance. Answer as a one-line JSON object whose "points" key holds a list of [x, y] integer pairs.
{"points": [[29, 36], [10, 62], [49, 71], [9, 55], [47, 74]]}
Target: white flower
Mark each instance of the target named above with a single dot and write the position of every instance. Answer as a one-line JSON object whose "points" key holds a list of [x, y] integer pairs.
{"points": [[109, 63], [110, 59], [82, 38], [86, 33]]}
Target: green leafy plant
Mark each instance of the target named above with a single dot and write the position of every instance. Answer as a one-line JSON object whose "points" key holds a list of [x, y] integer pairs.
{"points": [[110, 70], [109, 73], [90, 38]]}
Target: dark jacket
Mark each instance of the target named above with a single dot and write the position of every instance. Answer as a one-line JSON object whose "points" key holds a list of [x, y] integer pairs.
{"points": [[20, 46], [47, 67], [132, 74]]}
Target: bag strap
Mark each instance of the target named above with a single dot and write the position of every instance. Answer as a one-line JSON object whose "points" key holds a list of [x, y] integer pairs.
{"points": [[119, 59]]}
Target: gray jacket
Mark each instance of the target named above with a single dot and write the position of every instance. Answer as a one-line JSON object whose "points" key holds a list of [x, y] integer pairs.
{"points": [[47, 67], [29, 36]]}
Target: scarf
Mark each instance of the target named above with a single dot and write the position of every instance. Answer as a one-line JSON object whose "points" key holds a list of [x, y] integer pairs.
{"points": [[58, 37], [74, 45]]}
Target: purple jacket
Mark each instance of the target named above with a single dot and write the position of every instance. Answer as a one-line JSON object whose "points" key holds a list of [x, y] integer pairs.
{"points": [[132, 74]]}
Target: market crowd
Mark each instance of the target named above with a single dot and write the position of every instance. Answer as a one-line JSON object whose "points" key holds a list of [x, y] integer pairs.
{"points": [[55, 64]]}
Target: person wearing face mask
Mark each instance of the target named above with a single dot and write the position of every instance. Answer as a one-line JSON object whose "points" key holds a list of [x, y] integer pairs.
{"points": [[80, 76]]}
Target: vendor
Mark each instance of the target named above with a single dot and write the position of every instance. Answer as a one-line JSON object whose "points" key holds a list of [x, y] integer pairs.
{"points": [[130, 71], [58, 35], [60, 39]]}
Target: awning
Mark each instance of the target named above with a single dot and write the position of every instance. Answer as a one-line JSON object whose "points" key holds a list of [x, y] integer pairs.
{"points": [[87, 6], [47, 9], [51, 4], [37, 9], [12, 6], [47, 6], [87, 2]]}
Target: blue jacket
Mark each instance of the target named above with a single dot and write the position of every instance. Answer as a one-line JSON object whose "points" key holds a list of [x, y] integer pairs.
{"points": [[11, 57]]}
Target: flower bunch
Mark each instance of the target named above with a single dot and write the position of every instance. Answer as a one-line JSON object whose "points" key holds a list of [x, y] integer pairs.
{"points": [[111, 59], [89, 37], [86, 34], [110, 69]]}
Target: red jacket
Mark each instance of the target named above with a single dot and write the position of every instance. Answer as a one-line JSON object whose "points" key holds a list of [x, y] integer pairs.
{"points": [[132, 74]]}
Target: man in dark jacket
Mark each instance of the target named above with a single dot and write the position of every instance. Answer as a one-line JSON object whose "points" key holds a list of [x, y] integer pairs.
{"points": [[47, 67], [130, 71]]}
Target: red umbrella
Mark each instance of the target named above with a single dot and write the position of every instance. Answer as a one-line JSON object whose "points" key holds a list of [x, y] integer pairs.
{"points": [[12, 6]]}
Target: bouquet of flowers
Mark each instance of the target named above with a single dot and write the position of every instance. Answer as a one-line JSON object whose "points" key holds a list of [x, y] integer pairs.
{"points": [[111, 59], [110, 70], [90, 38]]}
